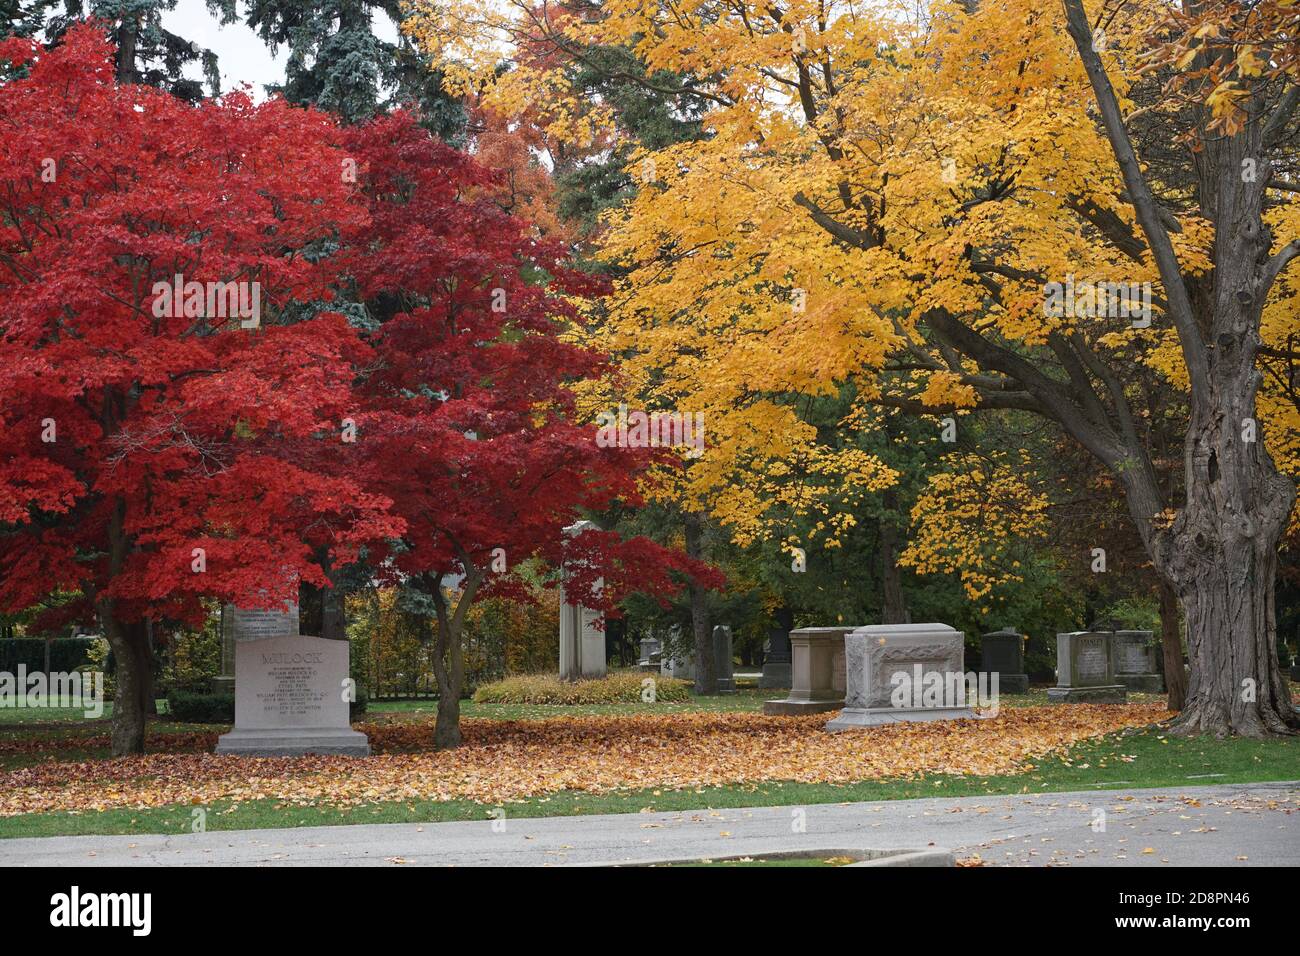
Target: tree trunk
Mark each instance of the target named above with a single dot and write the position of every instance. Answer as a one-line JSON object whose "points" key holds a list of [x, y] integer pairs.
{"points": [[893, 602], [706, 671], [1237, 685], [127, 733], [1220, 550], [1171, 642], [127, 33], [449, 655]]}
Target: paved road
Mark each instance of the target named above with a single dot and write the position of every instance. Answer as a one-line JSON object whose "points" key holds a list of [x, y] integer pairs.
{"points": [[1233, 825]]}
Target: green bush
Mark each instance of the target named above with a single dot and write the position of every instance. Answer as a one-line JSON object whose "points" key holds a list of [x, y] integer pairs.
{"points": [[206, 707], [66, 653], [193, 657], [200, 707], [620, 687]]}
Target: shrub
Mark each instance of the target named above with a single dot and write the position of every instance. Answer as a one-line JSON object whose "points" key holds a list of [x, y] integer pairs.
{"points": [[66, 653], [193, 657], [200, 707], [620, 687]]}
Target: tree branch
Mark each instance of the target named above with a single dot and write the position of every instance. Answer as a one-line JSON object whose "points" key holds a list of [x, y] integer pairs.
{"points": [[1180, 304]]}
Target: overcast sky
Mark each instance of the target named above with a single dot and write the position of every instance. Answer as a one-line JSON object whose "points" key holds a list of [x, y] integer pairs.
{"points": [[241, 54]]}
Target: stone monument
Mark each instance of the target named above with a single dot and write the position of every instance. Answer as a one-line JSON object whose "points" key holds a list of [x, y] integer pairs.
{"points": [[776, 659], [817, 672], [1084, 672], [1004, 651], [651, 655], [1137, 661], [724, 667], [291, 691], [886, 662], [224, 683], [582, 631]]}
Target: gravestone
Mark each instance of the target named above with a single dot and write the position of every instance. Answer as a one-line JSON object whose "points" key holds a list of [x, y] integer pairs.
{"points": [[776, 659], [651, 654], [881, 658], [817, 672], [290, 692], [1137, 660], [724, 667], [582, 631], [1004, 652], [224, 683], [1084, 671]]}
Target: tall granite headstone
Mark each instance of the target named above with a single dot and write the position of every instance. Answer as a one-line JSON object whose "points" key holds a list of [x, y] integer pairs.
{"points": [[776, 659], [876, 656], [817, 672], [582, 632], [290, 690], [1004, 652], [1137, 661], [724, 667], [1084, 670]]}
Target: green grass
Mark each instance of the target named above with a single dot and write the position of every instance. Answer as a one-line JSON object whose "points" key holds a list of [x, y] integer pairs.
{"points": [[1144, 758]]}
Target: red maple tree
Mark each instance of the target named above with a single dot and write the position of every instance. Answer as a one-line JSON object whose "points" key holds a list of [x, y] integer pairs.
{"points": [[161, 445], [470, 423], [153, 452]]}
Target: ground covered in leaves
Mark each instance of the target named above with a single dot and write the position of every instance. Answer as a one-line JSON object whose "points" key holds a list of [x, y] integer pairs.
{"points": [[503, 761]]}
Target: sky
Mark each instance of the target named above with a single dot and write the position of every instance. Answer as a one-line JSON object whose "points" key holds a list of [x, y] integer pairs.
{"points": [[241, 54]]}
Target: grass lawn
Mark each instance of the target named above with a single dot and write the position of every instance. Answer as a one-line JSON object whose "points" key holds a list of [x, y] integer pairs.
{"points": [[1143, 758]]}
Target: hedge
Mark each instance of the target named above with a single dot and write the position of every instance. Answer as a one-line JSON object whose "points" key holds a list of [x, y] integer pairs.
{"points": [[66, 653]]}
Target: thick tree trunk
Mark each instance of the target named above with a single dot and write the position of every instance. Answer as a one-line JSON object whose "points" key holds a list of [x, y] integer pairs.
{"points": [[706, 672], [1237, 685], [1171, 642], [127, 733], [1220, 551]]}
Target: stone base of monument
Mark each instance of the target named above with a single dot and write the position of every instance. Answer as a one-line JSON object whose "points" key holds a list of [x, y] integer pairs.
{"points": [[294, 742], [1295, 672], [1110, 694], [1143, 683], [853, 717], [882, 659], [817, 678], [785, 707]]}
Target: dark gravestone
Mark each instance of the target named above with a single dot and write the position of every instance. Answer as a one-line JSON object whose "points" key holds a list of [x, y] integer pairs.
{"points": [[723, 666], [1003, 652], [776, 663]]}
